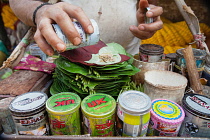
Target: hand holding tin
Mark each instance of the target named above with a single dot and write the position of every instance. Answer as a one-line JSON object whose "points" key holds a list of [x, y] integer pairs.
{"points": [[152, 12], [147, 20]]}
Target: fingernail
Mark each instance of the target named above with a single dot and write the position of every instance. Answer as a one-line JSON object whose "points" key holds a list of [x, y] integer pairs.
{"points": [[60, 47], [76, 41], [90, 29], [150, 14], [49, 52]]}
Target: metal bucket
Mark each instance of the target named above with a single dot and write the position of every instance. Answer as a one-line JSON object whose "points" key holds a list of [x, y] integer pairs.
{"points": [[165, 84]]}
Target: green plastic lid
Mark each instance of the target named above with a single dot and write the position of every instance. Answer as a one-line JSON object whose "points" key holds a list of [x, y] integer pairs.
{"points": [[63, 103], [98, 105]]}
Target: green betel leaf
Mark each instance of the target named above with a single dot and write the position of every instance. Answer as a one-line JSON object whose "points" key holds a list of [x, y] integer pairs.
{"points": [[115, 48], [70, 66]]}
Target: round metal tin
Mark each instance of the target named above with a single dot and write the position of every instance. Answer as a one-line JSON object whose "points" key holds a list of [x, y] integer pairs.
{"points": [[135, 102]]}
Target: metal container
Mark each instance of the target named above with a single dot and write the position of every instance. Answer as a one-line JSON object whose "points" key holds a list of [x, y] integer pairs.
{"points": [[6, 120], [134, 112], [87, 39], [197, 119], [151, 52], [29, 114], [199, 56], [63, 113], [99, 115], [166, 118]]}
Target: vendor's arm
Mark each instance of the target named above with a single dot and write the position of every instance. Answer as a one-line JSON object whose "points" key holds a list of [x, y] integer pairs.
{"points": [[60, 13], [144, 31]]}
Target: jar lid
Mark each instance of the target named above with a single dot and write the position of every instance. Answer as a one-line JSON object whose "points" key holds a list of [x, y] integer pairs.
{"points": [[98, 105], [4, 103], [198, 54], [197, 104], [29, 102], [135, 102], [63, 103], [151, 49], [167, 111]]}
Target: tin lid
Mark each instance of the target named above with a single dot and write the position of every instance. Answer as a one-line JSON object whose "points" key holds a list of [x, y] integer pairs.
{"points": [[4, 103], [198, 54], [167, 111], [98, 105], [63, 103], [28, 103], [135, 102], [197, 104], [151, 49]]}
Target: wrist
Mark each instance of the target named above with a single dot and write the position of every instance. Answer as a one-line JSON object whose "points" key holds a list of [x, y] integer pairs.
{"points": [[34, 16]]}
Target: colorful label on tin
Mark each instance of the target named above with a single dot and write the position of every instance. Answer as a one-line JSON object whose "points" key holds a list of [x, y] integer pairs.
{"points": [[63, 113], [99, 115], [86, 39], [133, 125], [197, 121], [32, 125], [65, 124], [166, 118], [166, 110], [28, 101]]}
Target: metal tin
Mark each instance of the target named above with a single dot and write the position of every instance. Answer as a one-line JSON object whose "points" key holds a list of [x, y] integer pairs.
{"points": [[29, 114], [134, 111], [87, 39], [166, 118], [199, 56], [63, 113], [99, 114], [197, 119], [151, 52], [6, 120]]}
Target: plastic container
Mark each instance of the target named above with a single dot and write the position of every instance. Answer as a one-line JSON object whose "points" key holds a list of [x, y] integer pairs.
{"points": [[63, 113], [197, 120], [6, 120], [134, 112], [151, 52], [165, 84], [166, 118], [99, 115], [87, 39], [29, 113]]}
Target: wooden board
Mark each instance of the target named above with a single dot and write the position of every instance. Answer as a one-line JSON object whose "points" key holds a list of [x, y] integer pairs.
{"points": [[23, 81]]}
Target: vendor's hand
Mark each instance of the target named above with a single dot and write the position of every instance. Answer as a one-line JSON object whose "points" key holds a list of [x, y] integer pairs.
{"points": [[145, 31], [62, 14]]}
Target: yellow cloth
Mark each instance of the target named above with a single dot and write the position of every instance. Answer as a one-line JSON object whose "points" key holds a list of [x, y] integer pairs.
{"points": [[174, 36], [8, 17]]}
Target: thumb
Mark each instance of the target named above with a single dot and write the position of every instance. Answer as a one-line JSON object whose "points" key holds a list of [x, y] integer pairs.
{"points": [[143, 4]]}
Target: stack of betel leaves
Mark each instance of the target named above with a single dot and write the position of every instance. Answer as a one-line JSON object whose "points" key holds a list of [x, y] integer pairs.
{"points": [[100, 68]]}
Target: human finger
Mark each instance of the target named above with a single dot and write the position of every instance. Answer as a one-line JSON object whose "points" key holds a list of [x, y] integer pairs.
{"points": [[46, 30], [141, 33], [154, 11], [78, 14], [43, 45], [157, 25]]}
